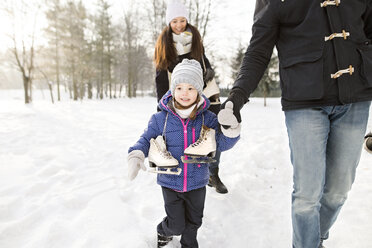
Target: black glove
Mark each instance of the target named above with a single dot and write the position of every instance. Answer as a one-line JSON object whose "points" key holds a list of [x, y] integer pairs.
{"points": [[368, 142], [208, 75], [238, 98]]}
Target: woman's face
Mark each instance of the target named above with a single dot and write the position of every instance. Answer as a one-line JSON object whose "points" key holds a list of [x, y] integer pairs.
{"points": [[185, 94], [178, 25]]}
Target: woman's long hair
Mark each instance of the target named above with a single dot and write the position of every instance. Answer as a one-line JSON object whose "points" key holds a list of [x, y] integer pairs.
{"points": [[166, 53]]}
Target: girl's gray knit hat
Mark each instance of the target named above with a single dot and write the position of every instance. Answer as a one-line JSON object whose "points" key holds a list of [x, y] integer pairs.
{"points": [[190, 72], [176, 9]]}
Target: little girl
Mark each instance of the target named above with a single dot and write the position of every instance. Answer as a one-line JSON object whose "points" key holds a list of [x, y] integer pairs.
{"points": [[183, 113], [180, 40]]}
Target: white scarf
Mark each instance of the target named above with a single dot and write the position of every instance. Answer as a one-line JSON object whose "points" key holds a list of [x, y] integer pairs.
{"points": [[182, 42], [185, 113]]}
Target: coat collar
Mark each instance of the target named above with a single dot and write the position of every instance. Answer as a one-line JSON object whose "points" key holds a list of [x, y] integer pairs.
{"points": [[163, 103]]}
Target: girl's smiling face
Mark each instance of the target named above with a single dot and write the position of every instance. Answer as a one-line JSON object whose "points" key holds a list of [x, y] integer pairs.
{"points": [[178, 25], [185, 94]]}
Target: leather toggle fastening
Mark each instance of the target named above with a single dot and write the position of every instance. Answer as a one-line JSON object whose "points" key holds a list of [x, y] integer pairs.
{"points": [[344, 35], [326, 3], [349, 70]]}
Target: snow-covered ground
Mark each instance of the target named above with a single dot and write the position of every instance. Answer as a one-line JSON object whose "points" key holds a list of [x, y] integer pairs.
{"points": [[63, 180]]}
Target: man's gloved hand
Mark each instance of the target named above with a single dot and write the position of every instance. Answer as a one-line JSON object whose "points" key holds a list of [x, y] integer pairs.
{"points": [[230, 127], [368, 142], [208, 75], [238, 98], [136, 160]]}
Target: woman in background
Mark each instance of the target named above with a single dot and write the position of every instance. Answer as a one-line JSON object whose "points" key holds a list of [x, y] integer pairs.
{"points": [[177, 41]]}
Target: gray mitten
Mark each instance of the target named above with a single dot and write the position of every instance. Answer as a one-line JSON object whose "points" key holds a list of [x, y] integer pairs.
{"points": [[226, 118], [136, 160]]}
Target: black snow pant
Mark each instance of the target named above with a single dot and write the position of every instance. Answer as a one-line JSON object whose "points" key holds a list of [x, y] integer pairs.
{"points": [[184, 215]]}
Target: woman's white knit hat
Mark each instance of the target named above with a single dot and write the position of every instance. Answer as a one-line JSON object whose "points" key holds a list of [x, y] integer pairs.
{"points": [[189, 72], [176, 9]]}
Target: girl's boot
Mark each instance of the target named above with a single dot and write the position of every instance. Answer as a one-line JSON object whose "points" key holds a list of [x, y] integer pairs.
{"points": [[163, 240]]}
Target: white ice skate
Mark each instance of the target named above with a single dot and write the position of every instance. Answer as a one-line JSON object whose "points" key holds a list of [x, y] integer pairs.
{"points": [[368, 142], [160, 159], [203, 150]]}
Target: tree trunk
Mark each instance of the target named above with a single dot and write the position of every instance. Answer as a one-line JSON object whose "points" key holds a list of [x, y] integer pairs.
{"points": [[58, 90], [90, 93], [98, 90], [82, 91], [51, 91], [26, 87], [120, 89], [30, 89], [57, 73], [101, 91], [75, 89], [70, 92]]}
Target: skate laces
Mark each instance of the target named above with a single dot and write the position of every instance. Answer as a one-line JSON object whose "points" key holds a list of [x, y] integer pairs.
{"points": [[200, 140], [167, 154], [164, 152]]}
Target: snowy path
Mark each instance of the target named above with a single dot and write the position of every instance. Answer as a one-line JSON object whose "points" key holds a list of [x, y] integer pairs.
{"points": [[63, 181]]}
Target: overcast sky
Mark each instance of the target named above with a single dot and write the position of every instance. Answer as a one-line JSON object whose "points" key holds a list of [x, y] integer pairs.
{"points": [[230, 25], [232, 21]]}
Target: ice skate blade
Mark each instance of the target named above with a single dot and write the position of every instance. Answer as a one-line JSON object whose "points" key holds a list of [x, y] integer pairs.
{"points": [[197, 160], [209, 155], [167, 171], [153, 165]]}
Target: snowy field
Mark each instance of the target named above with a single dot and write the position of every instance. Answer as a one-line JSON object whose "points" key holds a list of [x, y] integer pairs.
{"points": [[63, 180]]}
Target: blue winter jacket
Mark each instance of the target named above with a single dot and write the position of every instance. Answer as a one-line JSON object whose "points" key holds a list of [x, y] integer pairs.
{"points": [[179, 134]]}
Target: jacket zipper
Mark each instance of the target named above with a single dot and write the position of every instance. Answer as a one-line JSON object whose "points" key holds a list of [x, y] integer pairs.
{"points": [[185, 146]]}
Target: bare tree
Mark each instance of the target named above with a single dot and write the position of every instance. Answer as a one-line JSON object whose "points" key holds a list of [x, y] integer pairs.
{"points": [[156, 10], [49, 83], [23, 41], [53, 33], [120, 61], [130, 43], [199, 11], [200, 14], [134, 68], [74, 45], [103, 48]]}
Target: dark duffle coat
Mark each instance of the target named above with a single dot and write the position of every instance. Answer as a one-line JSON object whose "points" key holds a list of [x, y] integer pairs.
{"points": [[324, 49]]}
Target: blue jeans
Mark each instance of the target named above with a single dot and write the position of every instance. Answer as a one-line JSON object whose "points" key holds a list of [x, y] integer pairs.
{"points": [[325, 144]]}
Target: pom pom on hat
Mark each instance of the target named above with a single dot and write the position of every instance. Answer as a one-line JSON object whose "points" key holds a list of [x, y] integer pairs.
{"points": [[176, 9], [189, 72]]}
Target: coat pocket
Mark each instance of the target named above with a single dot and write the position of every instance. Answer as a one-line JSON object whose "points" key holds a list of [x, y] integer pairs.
{"points": [[301, 78], [366, 67]]}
